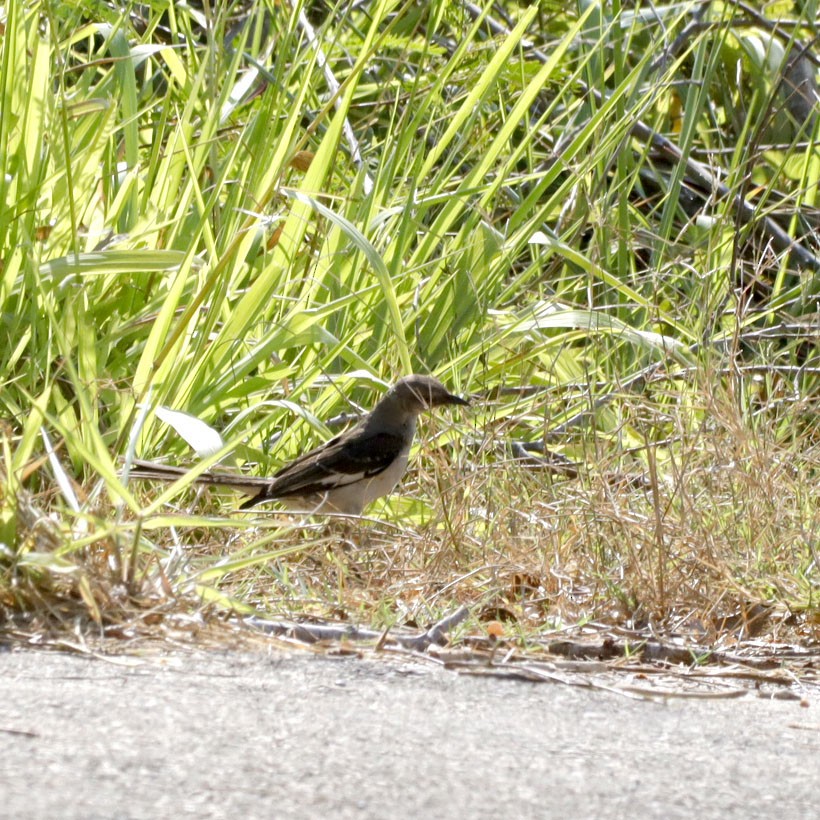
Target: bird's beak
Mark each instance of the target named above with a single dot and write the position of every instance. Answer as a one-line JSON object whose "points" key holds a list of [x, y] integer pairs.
{"points": [[451, 399]]}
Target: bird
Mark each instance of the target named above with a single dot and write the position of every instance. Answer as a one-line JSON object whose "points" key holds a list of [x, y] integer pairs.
{"points": [[344, 474]]}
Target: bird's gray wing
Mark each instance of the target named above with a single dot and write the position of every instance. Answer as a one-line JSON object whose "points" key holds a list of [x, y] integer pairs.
{"points": [[341, 461]]}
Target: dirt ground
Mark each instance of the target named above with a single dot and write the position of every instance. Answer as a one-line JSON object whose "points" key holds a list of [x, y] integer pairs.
{"points": [[289, 734]]}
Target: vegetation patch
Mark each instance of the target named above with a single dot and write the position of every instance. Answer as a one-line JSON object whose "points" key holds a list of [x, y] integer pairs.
{"points": [[597, 222]]}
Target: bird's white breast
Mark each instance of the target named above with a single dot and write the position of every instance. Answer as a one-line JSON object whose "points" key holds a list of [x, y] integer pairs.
{"points": [[384, 482]]}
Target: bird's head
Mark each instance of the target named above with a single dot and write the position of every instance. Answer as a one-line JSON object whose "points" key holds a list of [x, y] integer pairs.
{"points": [[418, 393]]}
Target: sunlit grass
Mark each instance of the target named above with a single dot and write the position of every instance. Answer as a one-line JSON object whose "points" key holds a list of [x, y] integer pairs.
{"points": [[263, 220]]}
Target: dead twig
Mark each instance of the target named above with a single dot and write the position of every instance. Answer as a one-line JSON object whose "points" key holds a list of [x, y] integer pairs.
{"points": [[315, 633]]}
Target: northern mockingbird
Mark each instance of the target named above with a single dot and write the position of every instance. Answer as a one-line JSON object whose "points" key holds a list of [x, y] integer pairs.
{"points": [[346, 473]]}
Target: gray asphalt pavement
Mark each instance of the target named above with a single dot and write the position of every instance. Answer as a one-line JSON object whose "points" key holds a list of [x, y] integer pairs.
{"points": [[222, 735]]}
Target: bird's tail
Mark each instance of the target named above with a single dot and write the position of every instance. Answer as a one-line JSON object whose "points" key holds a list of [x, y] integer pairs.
{"points": [[152, 471]]}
